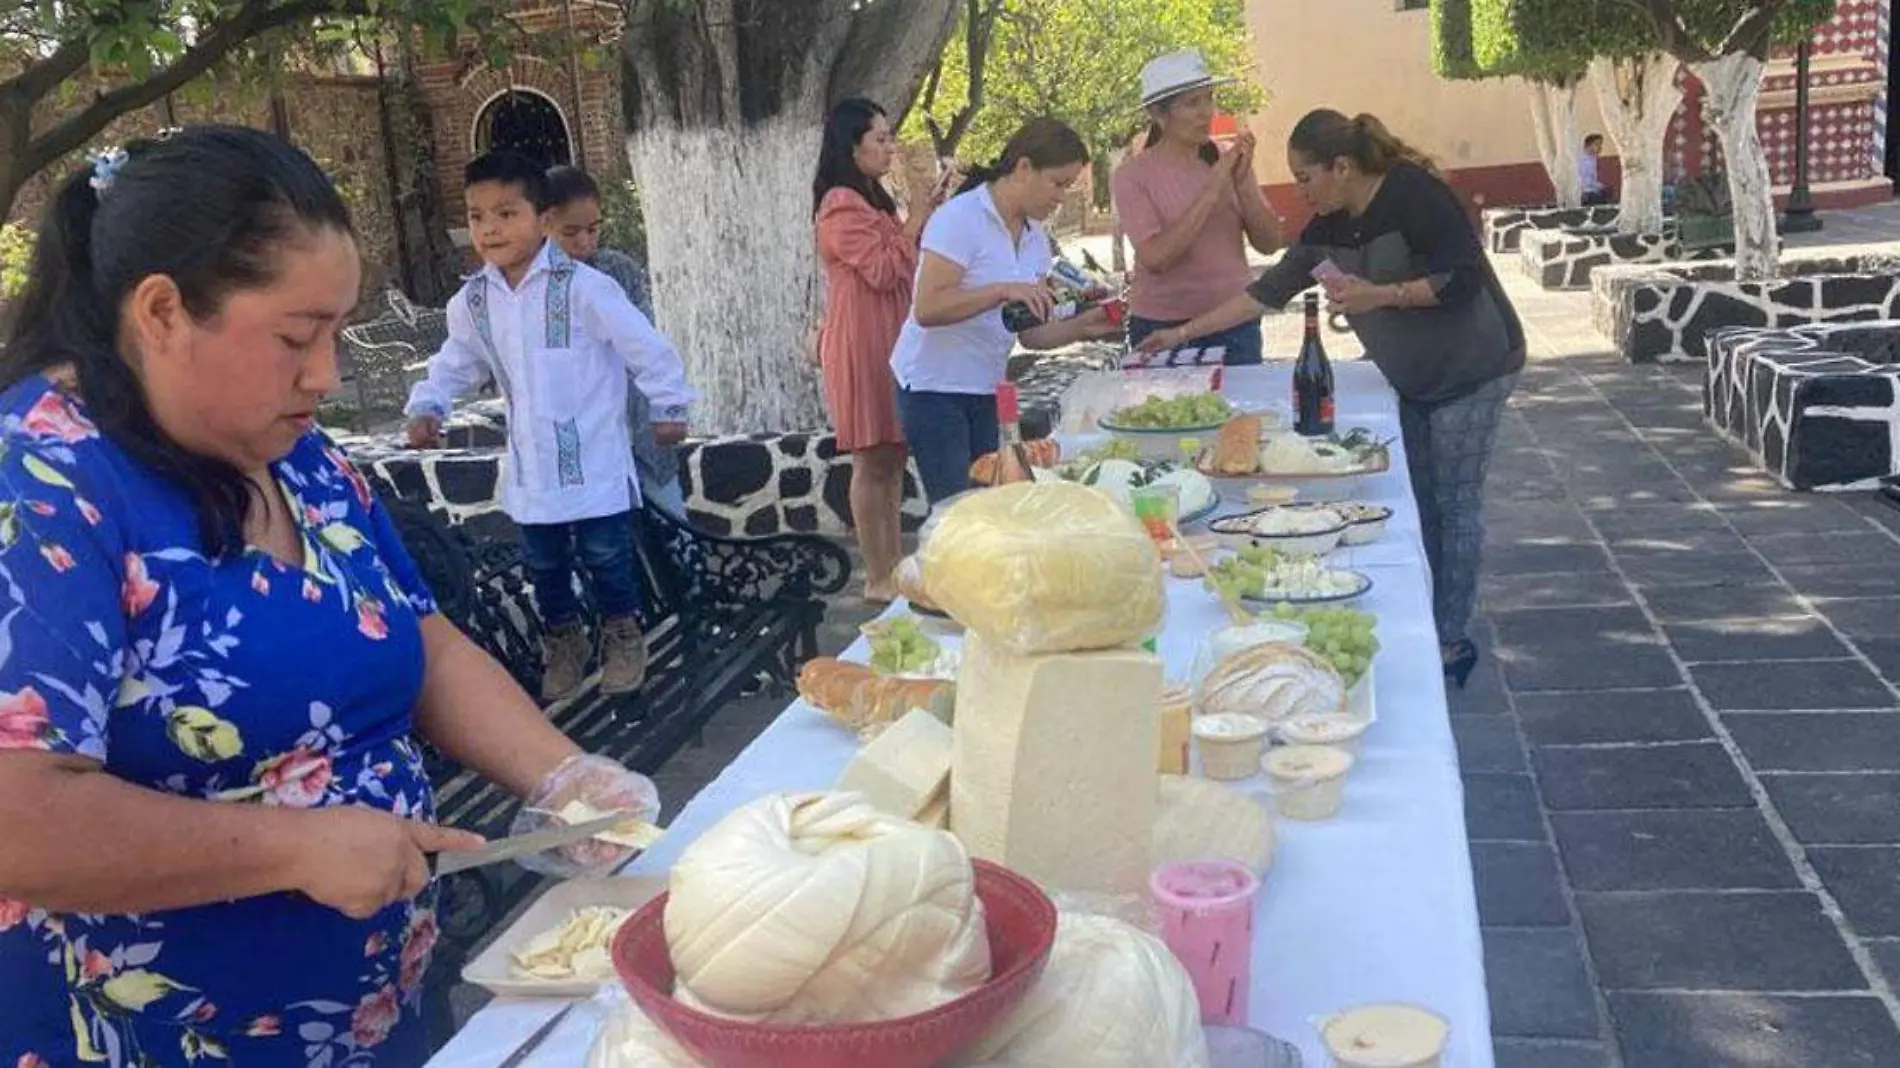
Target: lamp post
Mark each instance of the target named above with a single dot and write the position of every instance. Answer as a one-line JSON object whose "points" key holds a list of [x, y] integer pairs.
{"points": [[1800, 217]]}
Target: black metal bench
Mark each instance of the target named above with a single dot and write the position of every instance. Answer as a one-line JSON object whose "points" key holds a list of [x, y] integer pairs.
{"points": [[724, 618]]}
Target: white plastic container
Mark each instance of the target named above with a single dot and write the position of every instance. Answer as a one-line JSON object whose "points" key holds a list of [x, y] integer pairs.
{"points": [[1386, 1035], [1335, 732], [1230, 745], [1309, 781]]}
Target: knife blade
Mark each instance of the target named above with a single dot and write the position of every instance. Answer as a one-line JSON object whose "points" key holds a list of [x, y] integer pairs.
{"points": [[520, 1055], [521, 845]]}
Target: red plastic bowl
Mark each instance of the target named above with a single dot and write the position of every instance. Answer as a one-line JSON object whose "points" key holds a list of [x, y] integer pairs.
{"points": [[1022, 928]]}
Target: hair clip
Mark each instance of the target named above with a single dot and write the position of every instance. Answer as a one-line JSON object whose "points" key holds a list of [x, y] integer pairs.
{"points": [[105, 168]]}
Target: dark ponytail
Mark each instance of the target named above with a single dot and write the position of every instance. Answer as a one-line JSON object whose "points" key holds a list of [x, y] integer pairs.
{"points": [[1325, 135], [1045, 143], [210, 207]]}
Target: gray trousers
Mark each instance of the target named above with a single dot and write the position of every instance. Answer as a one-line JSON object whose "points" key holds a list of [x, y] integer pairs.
{"points": [[1448, 450]]}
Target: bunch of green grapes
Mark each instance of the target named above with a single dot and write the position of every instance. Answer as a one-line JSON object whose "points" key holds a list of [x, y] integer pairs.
{"points": [[902, 649], [1344, 636], [1237, 577], [1168, 413]]}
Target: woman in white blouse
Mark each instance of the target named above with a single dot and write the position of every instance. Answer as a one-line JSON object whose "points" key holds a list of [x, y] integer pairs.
{"points": [[982, 250]]}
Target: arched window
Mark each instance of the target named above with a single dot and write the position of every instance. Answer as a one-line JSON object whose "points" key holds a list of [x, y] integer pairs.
{"points": [[524, 121]]}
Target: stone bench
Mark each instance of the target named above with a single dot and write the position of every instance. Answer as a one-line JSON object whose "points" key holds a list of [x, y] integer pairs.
{"points": [[1505, 228], [1566, 259], [1816, 406], [1665, 313]]}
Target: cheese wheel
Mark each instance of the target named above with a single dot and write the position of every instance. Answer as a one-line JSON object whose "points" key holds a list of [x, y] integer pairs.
{"points": [[819, 909], [1045, 568]]}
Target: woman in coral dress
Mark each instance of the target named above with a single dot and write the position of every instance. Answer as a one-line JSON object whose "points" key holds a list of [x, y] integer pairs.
{"points": [[869, 257]]}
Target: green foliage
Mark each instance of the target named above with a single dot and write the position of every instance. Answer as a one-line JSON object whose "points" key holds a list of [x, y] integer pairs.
{"points": [[1710, 20], [1080, 61], [1590, 28], [16, 254], [1501, 49], [623, 223], [1451, 40], [1516, 32]]}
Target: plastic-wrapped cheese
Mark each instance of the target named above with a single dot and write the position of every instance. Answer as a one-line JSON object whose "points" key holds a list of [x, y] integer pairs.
{"points": [[630, 1039], [1045, 568], [1112, 996], [818, 908]]}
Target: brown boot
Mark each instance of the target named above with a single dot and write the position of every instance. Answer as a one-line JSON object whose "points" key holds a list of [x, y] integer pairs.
{"points": [[564, 652], [623, 655]]}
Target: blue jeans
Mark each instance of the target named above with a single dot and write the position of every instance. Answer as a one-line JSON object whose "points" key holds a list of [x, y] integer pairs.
{"points": [[1242, 342], [946, 432], [605, 552]]}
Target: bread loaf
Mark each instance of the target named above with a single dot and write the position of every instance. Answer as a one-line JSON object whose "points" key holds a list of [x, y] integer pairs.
{"points": [[867, 702], [1272, 682]]}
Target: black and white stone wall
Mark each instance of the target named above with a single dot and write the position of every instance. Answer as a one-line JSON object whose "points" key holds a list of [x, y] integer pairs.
{"points": [[1666, 313], [1504, 228], [1818, 406], [743, 486], [1562, 259]]}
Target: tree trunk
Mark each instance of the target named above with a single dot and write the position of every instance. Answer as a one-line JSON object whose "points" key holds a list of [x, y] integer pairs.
{"points": [[1554, 113], [730, 242], [1638, 96], [1733, 84], [726, 101]]}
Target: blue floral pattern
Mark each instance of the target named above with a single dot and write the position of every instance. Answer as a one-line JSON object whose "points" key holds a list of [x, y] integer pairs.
{"points": [[244, 681]]}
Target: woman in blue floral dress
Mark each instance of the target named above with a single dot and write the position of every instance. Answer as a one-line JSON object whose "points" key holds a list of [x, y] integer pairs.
{"points": [[215, 656]]}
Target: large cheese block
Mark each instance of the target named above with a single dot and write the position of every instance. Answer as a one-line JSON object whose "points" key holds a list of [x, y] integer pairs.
{"points": [[905, 768], [1054, 764]]}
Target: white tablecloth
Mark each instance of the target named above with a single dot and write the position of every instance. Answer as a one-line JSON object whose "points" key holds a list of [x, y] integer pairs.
{"points": [[1374, 905]]}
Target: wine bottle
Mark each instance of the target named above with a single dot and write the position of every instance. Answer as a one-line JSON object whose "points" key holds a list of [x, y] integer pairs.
{"points": [[1075, 290], [1012, 459], [1312, 379]]}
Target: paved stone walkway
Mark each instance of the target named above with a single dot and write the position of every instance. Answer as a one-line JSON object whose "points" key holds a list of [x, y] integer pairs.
{"points": [[1682, 753]]}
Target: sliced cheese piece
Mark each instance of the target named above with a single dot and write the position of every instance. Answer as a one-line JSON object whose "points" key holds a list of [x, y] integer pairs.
{"points": [[631, 834], [936, 814], [1177, 730], [1203, 820], [905, 767], [1055, 763]]}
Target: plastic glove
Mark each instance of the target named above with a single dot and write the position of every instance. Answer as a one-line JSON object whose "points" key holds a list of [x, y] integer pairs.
{"points": [[600, 782]]}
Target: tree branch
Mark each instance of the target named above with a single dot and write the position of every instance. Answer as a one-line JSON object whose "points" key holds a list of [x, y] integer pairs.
{"points": [[1753, 31], [42, 77], [256, 17], [1677, 39]]}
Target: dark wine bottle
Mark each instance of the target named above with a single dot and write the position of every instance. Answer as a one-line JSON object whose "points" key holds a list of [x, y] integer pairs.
{"points": [[1312, 379]]}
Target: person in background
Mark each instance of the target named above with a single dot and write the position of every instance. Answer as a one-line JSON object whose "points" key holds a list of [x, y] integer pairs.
{"points": [[220, 663], [1191, 210], [1594, 191], [983, 249], [573, 221], [1404, 265], [560, 338], [869, 258]]}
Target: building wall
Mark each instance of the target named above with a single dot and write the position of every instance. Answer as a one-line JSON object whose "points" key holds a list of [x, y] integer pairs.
{"points": [[1368, 55], [457, 87]]}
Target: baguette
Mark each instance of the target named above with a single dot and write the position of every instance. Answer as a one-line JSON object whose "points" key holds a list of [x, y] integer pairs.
{"points": [[865, 701]]}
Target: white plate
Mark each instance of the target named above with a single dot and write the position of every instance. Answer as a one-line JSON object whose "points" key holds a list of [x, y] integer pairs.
{"points": [[1365, 584], [494, 967]]}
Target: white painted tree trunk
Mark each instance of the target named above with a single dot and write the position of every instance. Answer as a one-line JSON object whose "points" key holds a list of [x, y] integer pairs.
{"points": [[1638, 96], [1734, 89], [1554, 113], [730, 247]]}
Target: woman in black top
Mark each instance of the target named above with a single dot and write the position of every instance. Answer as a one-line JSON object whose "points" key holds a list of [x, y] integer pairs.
{"points": [[1398, 256]]}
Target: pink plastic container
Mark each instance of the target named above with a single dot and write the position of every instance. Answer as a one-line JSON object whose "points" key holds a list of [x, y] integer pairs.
{"points": [[1206, 913]]}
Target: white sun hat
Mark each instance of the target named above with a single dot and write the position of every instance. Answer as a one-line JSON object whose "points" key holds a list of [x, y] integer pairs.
{"points": [[1176, 73]]}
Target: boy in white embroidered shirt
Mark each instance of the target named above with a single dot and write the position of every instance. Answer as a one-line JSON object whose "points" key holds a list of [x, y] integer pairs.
{"points": [[559, 338]]}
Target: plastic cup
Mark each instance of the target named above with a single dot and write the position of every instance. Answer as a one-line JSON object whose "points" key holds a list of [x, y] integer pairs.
{"points": [[1159, 510], [1231, 744], [1387, 1035], [1338, 732], [1309, 781], [1206, 913]]}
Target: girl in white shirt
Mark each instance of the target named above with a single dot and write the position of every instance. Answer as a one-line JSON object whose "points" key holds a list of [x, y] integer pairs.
{"points": [[982, 250]]}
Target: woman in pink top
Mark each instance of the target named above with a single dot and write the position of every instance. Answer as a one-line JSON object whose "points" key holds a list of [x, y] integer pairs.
{"points": [[1190, 210], [870, 259]]}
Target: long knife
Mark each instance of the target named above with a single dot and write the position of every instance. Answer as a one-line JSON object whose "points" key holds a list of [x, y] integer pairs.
{"points": [[521, 845]]}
